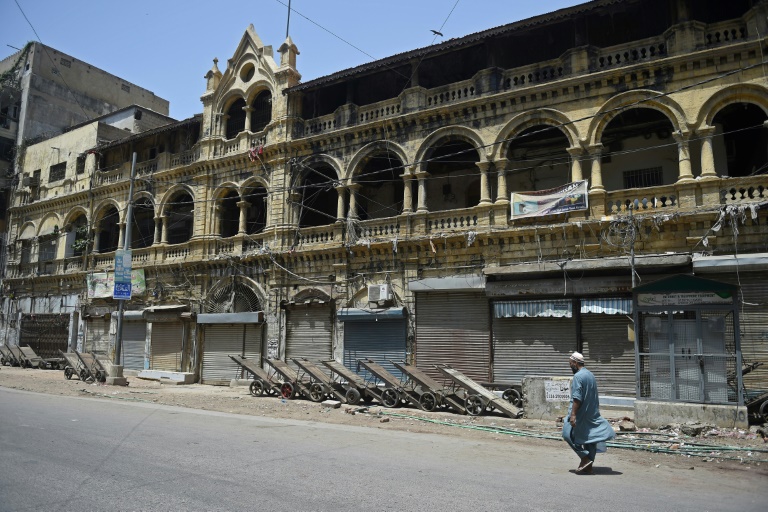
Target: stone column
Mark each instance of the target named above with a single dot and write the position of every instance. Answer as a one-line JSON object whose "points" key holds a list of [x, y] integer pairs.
{"points": [[597, 172], [223, 126], [158, 227], [248, 111], [353, 188], [120, 234], [407, 193], [576, 153], [96, 239], [683, 157], [243, 205], [485, 190], [707, 155], [164, 238], [502, 197], [341, 190], [422, 199]]}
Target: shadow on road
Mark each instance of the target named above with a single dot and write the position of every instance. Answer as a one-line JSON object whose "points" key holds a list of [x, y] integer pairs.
{"points": [[598, 471]]}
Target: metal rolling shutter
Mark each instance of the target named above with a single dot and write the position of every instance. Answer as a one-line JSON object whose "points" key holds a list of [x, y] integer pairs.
{"points": [[221, 340], [308, 333], [167, 346], [608, 354], [532, 346], [253, 342], [453, 328], [753, 323], [97, 335], [134, 342], [382, 341]]}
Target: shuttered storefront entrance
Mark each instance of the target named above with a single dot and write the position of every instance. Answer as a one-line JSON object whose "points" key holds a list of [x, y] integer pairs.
{"points": [[308, 333], [97, 335], [220, 341], [532, 346], [373, 336], [454, 329], [167, 346], [753, 322], [223, 340], [46, 334], [608, 353], [134, 342]]}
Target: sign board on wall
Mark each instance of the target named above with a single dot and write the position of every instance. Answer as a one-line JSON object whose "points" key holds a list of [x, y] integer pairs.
{"points": [[683, 298], [567, 198], [102, 284], [122, 287], [557, 390]]}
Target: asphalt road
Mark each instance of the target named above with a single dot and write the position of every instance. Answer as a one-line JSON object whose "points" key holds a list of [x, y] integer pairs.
{"points": [[61, 453]]}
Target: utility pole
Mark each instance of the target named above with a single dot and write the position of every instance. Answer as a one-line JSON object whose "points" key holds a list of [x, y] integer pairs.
{"points": [[288, 24], [127, 247]]}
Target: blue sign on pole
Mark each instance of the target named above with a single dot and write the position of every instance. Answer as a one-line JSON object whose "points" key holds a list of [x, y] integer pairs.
{"points": [[122, 290]]}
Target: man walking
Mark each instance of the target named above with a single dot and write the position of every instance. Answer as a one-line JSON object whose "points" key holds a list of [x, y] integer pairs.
{"points": [[584, 428]]}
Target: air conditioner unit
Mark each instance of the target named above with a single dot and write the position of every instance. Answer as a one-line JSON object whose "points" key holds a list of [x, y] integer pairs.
{"points": [[379, 292]]}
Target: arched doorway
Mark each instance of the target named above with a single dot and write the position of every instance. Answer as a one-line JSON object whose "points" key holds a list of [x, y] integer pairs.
{"points": [[741, 140], [639, 150], [454, 179], [380, 194], [539, 160]]}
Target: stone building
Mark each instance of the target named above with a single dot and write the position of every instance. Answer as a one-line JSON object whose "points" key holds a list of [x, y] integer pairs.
{"points": [[488, 202], [42, 93]]}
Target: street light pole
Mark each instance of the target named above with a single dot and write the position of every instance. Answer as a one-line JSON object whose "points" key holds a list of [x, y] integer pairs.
{"points": [[126, 246]]}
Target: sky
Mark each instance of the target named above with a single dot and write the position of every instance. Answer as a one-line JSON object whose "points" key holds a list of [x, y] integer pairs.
{"points": [[167, 46]]}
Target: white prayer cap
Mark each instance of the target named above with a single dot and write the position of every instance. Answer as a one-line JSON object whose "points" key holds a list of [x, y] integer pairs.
{"points": [[576, 356]]}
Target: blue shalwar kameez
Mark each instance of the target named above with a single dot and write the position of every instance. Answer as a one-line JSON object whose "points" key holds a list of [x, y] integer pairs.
{"points": [[590, 428]]}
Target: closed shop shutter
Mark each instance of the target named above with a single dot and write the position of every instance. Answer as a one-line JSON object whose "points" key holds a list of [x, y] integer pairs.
{"points": [[253, 342], [134, 341], [608, 353], [46, 334], [97, 335], [221, 340], [532, 346], [453, 329], [308, 333], [167, 343], [381, 341], [753, 323]]}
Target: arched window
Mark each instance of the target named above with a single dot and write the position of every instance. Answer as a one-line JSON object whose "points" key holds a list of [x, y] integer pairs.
{"points": [[235, 119], [143, 228], [229, 215], [381, 187], [109, 231], [454, 179], [77, 237], [318, 196], [539, 159], [180, 219], [741, 151], [256, 216], [262, 111]]}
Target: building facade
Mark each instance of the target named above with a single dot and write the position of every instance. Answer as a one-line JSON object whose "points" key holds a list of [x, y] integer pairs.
{"points": [[396, 210]]}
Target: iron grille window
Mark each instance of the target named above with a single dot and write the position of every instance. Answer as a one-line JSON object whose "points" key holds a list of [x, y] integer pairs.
{"points": [[80, 166], [57, 172], [641, 178], [262, 111]]}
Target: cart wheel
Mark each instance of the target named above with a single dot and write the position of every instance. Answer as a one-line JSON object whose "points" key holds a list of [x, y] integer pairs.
{"points": [[513, 396], [390, 398], [256, 388], [83, 375], [68, 373], [352, 396], [287, 390], [764, 410], [316, 392], [474, 405], [427, 401], [367, 397], [101, 377]]}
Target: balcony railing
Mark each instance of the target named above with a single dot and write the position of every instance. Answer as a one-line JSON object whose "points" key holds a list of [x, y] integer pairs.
{"points": [[744, 190], [627, 54], [379, 228], [454, 220], [319, 235], [652, 198]]}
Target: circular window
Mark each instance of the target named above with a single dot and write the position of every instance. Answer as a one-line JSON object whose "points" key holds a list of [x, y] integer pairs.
{"points": [[247, 71]]}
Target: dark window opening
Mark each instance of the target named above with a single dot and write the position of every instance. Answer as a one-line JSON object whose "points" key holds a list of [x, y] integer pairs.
{"points": [[6, 149], [143, 227], [539, 159], [109, 231], [640, 178], [744, 138], [451, 170], [235, 119], [57, 172], [262, 111], [318, 196], [181, 219], [80, 164], [381, 187], [256, 216], [229, 223]]}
